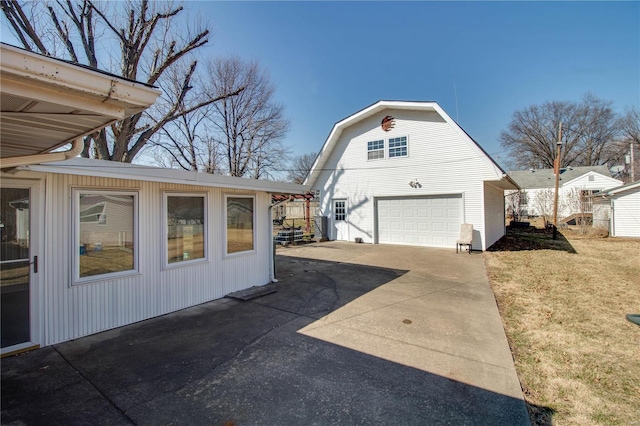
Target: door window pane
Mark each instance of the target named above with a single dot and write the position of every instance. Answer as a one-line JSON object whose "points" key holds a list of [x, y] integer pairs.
{"points": [[340, 210], [15, 266], [239, 224], [185, 227]]}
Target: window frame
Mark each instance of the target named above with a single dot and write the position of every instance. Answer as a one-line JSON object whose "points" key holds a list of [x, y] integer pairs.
{"points": [[389, 148], [165, 229], [254, 250], [75, 242], [381, 149]]}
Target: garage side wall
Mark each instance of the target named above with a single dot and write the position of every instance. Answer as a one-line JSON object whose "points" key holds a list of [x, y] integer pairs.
{"points": [[626, 214], [494, 220], [438, 158], [72, 311]]}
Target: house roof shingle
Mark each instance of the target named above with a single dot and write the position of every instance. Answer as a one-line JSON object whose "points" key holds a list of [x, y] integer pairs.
{"points": [[545, 178]]}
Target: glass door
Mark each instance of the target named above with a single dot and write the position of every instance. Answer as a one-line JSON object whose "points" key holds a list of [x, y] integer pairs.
{"points": [[15, 265]]}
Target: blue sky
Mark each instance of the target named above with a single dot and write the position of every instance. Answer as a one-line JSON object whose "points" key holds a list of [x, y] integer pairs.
{"points": [[331, 59], [328, 60]]}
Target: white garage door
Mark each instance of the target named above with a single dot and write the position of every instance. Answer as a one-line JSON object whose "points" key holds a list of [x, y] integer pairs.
{"points": [[420, 221]]}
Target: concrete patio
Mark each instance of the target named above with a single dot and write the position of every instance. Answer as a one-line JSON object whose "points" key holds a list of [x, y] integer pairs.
{"points": [[354, 334]]}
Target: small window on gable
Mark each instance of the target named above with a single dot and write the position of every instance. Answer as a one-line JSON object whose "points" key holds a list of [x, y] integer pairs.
{"points": [[591, 178], [375, 150], [398, 147]]}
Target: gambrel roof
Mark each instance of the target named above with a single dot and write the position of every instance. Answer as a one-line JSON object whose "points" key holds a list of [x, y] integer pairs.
{"points": [[378, 107]]}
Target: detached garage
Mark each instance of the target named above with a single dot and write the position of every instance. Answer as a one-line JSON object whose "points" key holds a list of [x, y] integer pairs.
{"points": [[405, 173]]}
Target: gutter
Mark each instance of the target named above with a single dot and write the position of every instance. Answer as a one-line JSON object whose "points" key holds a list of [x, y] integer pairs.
{"points": [[76, 149], [272, 257]]}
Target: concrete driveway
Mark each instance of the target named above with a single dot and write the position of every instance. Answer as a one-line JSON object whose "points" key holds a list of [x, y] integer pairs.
{"points": [[354, 334]]}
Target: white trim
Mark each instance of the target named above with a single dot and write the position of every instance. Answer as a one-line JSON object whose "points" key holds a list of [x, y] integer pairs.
{"points": [[116, 170], [105, 88], [75, 243], [254, 225], [389, 147], [384, 154], [590, 173], [165, 228]]}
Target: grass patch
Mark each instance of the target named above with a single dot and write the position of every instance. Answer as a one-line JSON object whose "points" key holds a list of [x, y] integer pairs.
{"points": [[563, 304]]}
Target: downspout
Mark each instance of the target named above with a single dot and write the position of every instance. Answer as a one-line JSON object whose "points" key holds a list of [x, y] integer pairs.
{"points": [[76, 149], [272, 258]]}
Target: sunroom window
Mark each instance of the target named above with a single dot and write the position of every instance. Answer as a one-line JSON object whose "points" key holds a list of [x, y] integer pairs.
{"points": [[104, 247], [240, 224], [375, 150], [185, 227]]}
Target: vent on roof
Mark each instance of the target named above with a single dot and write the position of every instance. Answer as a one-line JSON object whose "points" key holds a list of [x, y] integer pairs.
{"points": [[532, 170]]}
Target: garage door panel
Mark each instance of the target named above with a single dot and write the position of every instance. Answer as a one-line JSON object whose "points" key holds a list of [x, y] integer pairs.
{"points": [[427, 221]]}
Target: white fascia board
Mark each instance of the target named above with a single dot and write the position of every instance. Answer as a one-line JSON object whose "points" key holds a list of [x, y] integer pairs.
{"points": [[58, 95], [622, 188], [42, 70], [97, 168], [493, 166], [613, 181]]}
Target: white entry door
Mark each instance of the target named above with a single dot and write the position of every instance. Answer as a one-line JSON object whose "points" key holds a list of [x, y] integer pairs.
{"points": [[340, 220], [19, 205]]}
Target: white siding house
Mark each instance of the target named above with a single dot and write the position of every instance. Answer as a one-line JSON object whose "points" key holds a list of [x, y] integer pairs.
{"points": [[619, 208], [573, 181], [405, 173], [89, 245]]}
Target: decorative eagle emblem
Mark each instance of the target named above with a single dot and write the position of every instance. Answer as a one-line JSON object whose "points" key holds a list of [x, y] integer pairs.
{"points": [[388, 123]]}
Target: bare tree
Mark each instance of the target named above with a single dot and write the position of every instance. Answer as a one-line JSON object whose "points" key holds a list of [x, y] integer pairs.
{"points": [[300, 167], [589, 134], [543, 204], [630, 140], [150, 46], [249, 128], [581, 207], [516, 203]]}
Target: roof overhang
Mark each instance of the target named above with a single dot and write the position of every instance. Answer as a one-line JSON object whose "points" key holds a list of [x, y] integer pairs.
{"points": [[116, 170], [608, 193], [47, 102]]}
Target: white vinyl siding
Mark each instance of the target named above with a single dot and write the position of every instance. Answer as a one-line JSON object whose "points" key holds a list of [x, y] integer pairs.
{"points": [[626, 214], [69, 312], [441, 160], [494, 218]]}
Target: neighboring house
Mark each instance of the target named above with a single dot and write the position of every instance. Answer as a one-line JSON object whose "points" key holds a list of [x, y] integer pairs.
{"points": [[90, 245], [405, 173], [539, 187], [618, 210]]}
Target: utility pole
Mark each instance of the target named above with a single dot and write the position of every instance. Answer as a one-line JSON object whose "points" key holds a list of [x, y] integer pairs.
{"points": [[556, 169], [633, 175]]}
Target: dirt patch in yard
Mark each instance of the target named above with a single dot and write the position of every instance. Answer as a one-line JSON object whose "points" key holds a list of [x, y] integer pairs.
{"points": [[563, 304]]}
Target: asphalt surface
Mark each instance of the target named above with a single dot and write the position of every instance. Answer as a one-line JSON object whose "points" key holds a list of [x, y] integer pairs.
{"points": [[354, 334]]}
